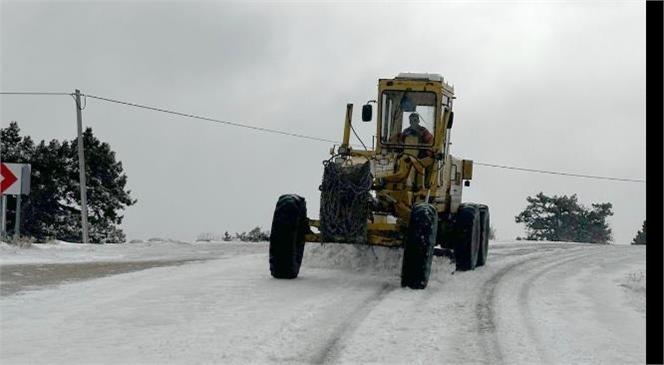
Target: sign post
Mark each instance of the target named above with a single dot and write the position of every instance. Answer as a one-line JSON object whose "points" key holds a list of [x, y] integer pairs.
{"points": [[17, 221], [4, 217]]}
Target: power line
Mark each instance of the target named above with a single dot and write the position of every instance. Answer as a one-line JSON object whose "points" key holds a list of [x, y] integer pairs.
{"points": [[211, 119], [32, 93], [309, 137], [559, 173]]}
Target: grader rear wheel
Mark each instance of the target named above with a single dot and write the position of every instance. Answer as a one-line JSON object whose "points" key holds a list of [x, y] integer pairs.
{"points": [[485, 223], [289, 225], [467, 245], [418, 248]]}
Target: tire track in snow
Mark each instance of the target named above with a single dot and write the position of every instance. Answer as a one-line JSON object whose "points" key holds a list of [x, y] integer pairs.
{"points": [[484, 310], [524, 304], [330, 352], [529, 249], [485, 307]]}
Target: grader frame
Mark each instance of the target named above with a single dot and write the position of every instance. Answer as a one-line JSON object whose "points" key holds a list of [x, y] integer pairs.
{"points": [[414, 197]]}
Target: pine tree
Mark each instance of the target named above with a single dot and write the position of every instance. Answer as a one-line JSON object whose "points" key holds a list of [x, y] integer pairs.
{"points": [[15, 149], [640, 238], [256, 235], [563, 219]]}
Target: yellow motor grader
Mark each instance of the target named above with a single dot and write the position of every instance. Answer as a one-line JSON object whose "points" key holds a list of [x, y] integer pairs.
{"points": [[405, 192]]}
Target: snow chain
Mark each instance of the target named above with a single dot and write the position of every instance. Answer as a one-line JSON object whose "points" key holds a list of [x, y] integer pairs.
{"points": [[344, 202]]}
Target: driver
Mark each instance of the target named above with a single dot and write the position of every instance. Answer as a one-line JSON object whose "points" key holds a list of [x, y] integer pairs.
{"points": [[415, 129]]}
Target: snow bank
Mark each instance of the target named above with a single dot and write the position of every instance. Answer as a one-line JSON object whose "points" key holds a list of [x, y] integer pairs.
{"points": [[153, 249], [366, 259]]}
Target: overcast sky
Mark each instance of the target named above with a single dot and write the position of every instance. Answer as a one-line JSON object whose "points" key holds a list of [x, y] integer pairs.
{"points": [[554, 86]]}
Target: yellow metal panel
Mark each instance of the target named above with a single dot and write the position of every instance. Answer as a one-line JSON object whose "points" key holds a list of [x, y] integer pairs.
{"points": [[349, 116], [467, 169], [360, 153], [382, 227], [312, 237], [415, 85], [441, 132]]}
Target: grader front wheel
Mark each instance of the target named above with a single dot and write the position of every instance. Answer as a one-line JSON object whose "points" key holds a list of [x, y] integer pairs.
{"points": [[418, 248], [289, 226]]}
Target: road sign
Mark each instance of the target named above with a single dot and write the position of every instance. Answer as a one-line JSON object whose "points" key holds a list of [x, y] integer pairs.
{"points": [[15, 178]]}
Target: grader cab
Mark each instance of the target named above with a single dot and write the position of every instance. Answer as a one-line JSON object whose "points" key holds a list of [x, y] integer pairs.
{"points": [[405, 192]]}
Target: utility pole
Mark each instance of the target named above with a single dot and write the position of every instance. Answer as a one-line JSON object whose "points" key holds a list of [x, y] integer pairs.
{"points": [[81, 167]]}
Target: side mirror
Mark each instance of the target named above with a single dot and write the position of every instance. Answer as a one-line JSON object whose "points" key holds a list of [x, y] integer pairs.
{"points": [[450, 121], [367, 111]]}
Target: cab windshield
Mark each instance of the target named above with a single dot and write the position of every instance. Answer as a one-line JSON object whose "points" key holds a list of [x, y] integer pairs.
{"points": [[408, 118]]}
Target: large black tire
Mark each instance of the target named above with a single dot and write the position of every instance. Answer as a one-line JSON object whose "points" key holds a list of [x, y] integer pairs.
{"points": [[467, 244], [485, 223], [418, 246], [289, 226]]}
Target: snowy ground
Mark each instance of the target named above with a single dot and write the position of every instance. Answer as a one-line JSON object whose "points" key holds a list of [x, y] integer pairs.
{"points": [[202, 303]]}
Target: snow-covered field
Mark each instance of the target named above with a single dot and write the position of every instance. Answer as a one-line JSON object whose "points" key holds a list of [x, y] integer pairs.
{"points": [[558, 303]]}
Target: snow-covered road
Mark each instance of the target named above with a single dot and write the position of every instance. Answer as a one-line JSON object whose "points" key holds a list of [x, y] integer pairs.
{"points": [[557, 303]]}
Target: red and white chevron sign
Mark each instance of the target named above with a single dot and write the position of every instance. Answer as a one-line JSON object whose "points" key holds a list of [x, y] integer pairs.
{"points": [[15, 178]]}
